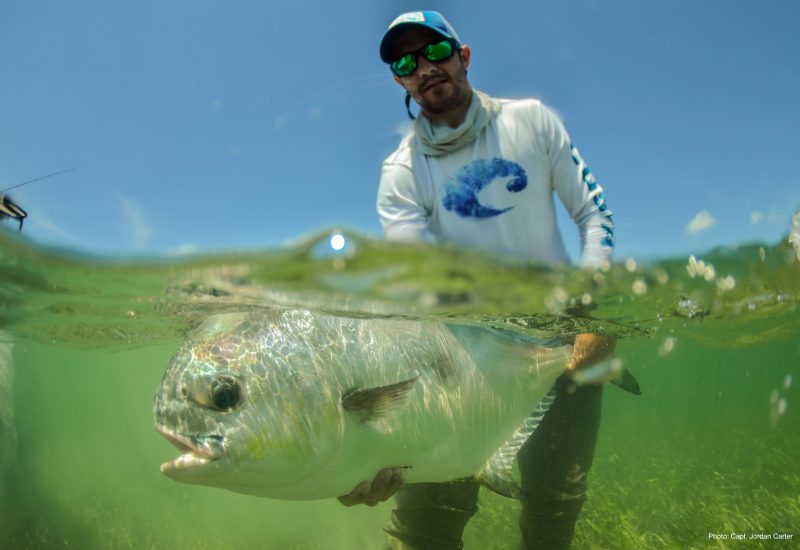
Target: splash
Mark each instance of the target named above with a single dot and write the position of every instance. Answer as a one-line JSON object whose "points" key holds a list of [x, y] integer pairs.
{"points": [[699, 268], [794, 235]]}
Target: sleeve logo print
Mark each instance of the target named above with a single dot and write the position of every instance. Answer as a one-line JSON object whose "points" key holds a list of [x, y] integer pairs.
{"points": [[461, 192], [598, 197]]}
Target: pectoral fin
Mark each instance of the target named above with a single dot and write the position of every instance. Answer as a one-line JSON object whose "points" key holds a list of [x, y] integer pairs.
{"points": [[379, 402]]}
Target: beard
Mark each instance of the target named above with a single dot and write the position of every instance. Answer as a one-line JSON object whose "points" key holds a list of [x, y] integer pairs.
{"points": [[450, 93]]}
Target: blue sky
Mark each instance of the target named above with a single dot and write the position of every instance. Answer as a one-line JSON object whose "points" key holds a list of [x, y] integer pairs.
{"points": [[199, 125]]}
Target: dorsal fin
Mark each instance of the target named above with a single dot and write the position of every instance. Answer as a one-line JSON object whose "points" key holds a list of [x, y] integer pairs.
{"points": [[378, 402], [501, 471]]}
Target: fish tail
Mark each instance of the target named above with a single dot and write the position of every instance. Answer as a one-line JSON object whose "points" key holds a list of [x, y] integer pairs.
{"points": [[627, 382]]}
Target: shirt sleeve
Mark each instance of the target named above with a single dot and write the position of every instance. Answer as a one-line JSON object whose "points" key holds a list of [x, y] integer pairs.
{"points": [[580, 193], [400, 209]]}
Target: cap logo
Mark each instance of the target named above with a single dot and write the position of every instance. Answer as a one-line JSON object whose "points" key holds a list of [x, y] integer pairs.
{"points": [[413, 17]]}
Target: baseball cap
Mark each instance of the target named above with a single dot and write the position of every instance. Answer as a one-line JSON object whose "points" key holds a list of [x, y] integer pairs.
{"points": [[430, 19]]}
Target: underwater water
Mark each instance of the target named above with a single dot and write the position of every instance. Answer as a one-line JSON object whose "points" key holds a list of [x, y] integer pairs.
{"points": [[708, 453]]}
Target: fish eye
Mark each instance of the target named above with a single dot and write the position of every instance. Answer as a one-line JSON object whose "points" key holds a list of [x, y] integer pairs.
{"points": [[225, 393]]}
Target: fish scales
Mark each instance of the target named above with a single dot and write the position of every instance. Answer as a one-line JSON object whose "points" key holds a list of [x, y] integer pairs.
{"points": [[294, 404]]}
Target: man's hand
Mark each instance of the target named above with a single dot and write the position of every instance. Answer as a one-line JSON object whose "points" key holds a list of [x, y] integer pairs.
{"points": [[589, 349], [386, 483]]}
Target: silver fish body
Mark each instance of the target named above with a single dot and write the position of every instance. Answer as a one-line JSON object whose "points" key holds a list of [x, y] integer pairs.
{"points": [[300, 405]]}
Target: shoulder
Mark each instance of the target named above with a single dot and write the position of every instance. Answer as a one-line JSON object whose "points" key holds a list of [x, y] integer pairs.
{"points": [[530, 111], [528, 103], [529, 115], [402, 155], [534, 109], [397, 170], [521, 107]]}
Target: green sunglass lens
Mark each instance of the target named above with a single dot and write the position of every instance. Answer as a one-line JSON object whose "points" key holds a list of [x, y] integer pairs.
{"points": [[405, 65], [438, 52]]}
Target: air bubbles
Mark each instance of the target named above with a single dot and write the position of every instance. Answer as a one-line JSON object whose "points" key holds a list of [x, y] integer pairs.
{"points": [[428, 299], [778, 402], [557, 301], [690, 309], [794, 234], [604, 371], [762, 254], [639, 287], [586, 299], [667, 346], [724, 284], [698, 268], [630, 265], [777, 410]]}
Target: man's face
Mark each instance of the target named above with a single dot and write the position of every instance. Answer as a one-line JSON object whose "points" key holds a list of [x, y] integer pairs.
{"points": [[436, 87]]}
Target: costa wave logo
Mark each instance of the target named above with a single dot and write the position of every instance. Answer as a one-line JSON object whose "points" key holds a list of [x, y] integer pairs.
{"points": [[461, 192]]}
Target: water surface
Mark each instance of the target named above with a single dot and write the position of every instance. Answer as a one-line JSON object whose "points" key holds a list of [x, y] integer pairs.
{"points": [[709, 449]]}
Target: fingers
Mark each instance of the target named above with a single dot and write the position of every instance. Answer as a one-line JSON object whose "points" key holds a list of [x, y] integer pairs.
{"points": [[386, 483], [589, 349], [357, 495]]}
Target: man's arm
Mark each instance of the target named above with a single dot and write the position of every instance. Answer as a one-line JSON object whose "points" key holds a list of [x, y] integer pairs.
{"points": [[589, 349], [585, 201], [580, 193], [400, 209]]}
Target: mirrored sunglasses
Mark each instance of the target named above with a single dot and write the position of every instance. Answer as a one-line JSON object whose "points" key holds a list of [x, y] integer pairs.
{"points": [[440, 51]]}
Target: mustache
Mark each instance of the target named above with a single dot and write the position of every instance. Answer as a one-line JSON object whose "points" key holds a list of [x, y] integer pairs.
{"points": [[433, 79]]}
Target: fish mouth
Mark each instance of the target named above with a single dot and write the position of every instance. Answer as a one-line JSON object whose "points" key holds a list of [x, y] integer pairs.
{"points": [[196, 451]]}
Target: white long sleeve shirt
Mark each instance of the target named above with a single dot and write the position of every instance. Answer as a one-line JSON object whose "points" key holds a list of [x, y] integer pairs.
{"points": [[497, 192]]}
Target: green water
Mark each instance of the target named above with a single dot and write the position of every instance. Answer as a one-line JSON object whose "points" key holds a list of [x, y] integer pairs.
{"points": [[711, 447]]}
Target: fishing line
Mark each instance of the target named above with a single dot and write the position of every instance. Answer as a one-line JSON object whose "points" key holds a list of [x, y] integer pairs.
{"points": [[37, 179]]}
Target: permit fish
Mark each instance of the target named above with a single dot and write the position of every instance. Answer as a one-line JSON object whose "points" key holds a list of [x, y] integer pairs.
{"points": [[300, 405]]}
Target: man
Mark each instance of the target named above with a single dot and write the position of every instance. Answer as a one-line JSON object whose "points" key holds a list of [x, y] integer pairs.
{"points": [[481, 172]]}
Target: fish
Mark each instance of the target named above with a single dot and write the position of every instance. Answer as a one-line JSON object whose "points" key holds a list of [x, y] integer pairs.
{"points": [[295, 404]]}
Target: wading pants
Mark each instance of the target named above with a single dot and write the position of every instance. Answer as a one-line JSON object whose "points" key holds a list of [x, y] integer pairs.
{"points": [[554, 463]]}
